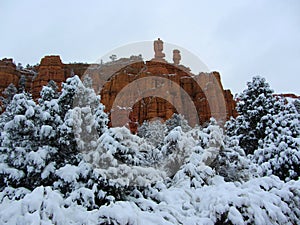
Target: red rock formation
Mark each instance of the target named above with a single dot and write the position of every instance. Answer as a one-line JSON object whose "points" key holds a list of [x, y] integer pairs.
{"points": [[205, 91], [153, 89], [230, 104], [288, 95], [75, 68], [50, 68], [8, 74]]}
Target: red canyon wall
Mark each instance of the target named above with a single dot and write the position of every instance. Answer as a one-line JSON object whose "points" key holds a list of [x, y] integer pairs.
{"points": [[204, 90]]}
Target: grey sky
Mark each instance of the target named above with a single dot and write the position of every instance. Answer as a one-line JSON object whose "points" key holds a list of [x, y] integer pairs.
{"points": [[239, 39]]}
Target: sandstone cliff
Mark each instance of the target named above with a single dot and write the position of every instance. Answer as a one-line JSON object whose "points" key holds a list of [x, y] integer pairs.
{"points": [[8, 73], [175, 88], [137, 103]]}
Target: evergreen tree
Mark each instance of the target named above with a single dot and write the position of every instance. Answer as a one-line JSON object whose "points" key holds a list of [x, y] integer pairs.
{"points": [[52, 84], [197, 168], [93, 101], [50, 118], [177, 120], [87, 81], [153, 132], [66, 98], [297, 105], [8, 94], [253, 104], [22, 84], [49, 123], [232, 162], [122, 146], [68, 148], [90, 120], [176, 149], [19, 146], [279, 151], [48, 92]]}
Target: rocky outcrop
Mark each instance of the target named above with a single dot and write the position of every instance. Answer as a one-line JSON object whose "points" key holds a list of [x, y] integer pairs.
{"points": [[288, 95], [230, 104], [50, 68], [153, 89], [75, 68], [133, 90], [8, 73]]}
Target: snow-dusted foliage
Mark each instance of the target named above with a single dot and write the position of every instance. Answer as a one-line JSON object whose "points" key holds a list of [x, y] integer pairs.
{"points": [[125, 159], [66, 98], [19, 152], [264, 200], [84, 117], [177, 120], [8, 95], [61, 164], [279, 151], [231, 161], [89, 119], [267, 129], [50, 118], [297, 105], [154, 132], [253, 103], [259, 201], [176, 149]]}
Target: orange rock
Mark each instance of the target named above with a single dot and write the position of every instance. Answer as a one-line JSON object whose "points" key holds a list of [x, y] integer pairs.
{"points": [[205, 91], [50, 68], [8, 73], [134, 91]]}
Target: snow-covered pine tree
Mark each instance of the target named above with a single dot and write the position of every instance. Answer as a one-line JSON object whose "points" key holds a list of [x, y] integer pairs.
{"points": [[8, 95], [65, 168], [22, 84], [176, 150], [153, 132], [232, 162], [228, 158], [297, 105], [66, 131], [90, 120], [122, 146], [196, 168], [67, 142], [66, 98], [177, 120], [62, 116], [60, 137], [48, 92], [52, 84], [279, 151], [48, 133], [21, 160], [253, 103], [97, 108]]}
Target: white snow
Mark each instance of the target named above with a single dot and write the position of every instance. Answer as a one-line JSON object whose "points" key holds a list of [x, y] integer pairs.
{"points": [[68, 173], [170, 175]]}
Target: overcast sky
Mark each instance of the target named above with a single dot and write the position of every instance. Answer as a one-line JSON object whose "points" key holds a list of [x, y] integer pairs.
{"points": [[239, 38]]}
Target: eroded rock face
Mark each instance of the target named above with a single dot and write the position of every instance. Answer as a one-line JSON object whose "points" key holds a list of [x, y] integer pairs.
{"points": [[147, 90], [50, 68], [133, 90], [8, 73]]}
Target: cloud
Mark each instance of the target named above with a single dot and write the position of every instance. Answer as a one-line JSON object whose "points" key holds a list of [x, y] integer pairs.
{"points": [[238, 38]]}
